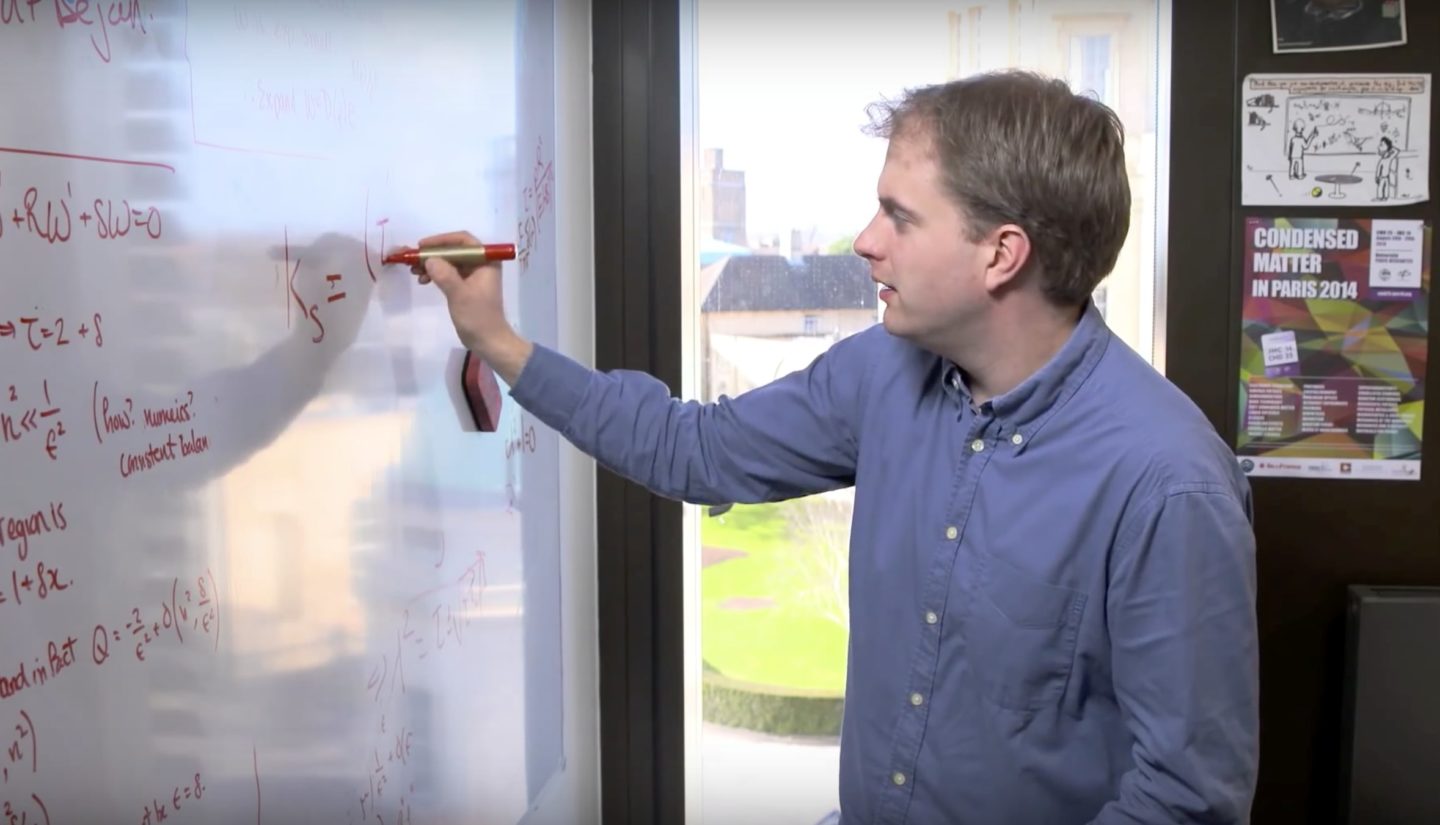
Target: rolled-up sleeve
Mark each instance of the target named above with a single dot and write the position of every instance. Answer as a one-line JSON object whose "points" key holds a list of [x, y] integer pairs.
{"points": [[1181, 616], [791, 437]]}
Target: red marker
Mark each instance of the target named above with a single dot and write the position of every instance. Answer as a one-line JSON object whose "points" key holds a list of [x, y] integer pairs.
{"points": [[463, 257]]}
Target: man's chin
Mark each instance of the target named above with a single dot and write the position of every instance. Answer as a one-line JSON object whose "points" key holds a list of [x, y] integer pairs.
{"points": [[896, 326]]}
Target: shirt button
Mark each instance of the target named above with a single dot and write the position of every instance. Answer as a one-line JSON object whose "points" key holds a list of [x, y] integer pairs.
{"points": [[951, 533], [978, 445], [898, 778], [931, 617], [1017, 439], [917, 700]]}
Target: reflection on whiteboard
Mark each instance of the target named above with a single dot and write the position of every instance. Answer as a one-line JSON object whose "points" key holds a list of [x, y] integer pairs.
{"points": [[251, 568], [1327, 140]]}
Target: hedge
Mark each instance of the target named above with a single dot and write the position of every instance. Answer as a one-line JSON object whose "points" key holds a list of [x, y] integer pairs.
{"points": [[770, 709]]}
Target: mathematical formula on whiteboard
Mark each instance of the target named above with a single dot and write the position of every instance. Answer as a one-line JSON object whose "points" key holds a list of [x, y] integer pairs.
{"points": [[250, 568]]}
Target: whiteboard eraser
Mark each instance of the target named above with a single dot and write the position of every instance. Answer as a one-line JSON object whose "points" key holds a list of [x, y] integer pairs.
{"points": [[474, 392], [482, 393]]}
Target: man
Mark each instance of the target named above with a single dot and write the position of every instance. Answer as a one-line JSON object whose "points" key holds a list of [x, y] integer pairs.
{"points": [[1296, 147], [1052, 575], [1387, 170]]}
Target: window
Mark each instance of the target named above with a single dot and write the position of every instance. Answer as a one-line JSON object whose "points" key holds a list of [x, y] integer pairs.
{"points": [[777, 152], [1090, 66]]}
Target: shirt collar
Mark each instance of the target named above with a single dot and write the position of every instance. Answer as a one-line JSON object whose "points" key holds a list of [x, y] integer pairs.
{"points": [[1023, 411]]}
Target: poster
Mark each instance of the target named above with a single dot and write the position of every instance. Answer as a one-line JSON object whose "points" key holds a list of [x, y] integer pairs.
{"points": [[1336, 25], [1335, 139], [1334, 341]]}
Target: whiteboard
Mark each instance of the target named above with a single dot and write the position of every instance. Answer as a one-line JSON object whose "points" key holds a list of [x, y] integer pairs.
{"points": [[253, 568]]}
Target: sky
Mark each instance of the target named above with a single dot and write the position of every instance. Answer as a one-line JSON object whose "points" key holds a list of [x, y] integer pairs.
{"points": [[783, 90]]}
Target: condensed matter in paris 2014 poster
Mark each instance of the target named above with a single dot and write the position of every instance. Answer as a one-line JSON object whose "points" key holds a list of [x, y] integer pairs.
{"points": [[1334, 342]]}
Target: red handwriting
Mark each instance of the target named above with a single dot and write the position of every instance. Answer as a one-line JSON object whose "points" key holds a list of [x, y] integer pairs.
{"points": [[23, 750], [158, 810], [195, 606], [46, 153], [103, 16], [33, 422], [45, 582], [369, 266], [309, 311], [18, 530], [535, 202], [119, 416], [51, 217], [58, 657], [522, 441], [120, 420], [313, 105], [290, 35], [450, 616], [446, 612], [175, 447], [22, 813], [374, 794], [38, 333]]}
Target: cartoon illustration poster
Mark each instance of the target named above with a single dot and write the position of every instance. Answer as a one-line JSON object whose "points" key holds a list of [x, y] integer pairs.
{"points": [[1342, 139], [1333, 347]]}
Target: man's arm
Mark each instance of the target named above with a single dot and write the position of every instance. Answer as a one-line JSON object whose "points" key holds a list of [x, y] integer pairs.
{"points": [[1185, 661], [792, 437]]}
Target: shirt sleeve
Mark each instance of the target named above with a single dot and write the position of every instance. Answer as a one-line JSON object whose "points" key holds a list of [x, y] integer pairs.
{"points": [[792, 437], [1185, 659]]}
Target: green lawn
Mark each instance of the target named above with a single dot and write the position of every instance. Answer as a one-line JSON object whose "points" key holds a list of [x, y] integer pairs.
{"points": [[789, 644]]}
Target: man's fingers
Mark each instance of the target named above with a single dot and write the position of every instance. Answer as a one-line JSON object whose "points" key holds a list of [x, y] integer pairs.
{"points": [[443, 274], [449, 239]]}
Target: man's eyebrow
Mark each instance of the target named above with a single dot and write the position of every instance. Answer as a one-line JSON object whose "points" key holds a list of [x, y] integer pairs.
{"points": [[892, 206]]}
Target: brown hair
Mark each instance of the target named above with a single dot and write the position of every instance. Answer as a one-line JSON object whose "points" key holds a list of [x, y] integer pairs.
{"points": [[1019, 148]]}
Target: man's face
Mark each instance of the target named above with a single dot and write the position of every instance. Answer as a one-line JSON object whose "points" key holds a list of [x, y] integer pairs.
{"points": [[931, 277]]}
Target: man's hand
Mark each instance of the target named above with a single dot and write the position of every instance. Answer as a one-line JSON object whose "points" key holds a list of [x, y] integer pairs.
{"points": [[477, 307]]}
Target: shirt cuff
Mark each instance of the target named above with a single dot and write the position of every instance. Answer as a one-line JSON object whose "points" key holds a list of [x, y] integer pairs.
{"points": [[551, 386]]}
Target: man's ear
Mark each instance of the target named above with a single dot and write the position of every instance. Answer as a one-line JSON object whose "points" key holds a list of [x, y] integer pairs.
{"points": [[1009, 250]]}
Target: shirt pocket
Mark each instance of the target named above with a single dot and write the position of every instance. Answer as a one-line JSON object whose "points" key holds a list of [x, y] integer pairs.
{"points": [[1020, 636]]}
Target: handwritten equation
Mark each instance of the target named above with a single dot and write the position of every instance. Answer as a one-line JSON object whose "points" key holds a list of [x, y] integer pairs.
{"points": [[38, 333], [535, 201], [301, 293], [521, 441], [36, 582], [430, 622], [22, 752], [32, 580], [195, 606], [157, 810], [388, 761], [58, 217], [21, 761], [26, 421]]}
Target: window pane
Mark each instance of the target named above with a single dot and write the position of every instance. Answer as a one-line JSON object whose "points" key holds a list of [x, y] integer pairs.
{"points": [[784, 179]]}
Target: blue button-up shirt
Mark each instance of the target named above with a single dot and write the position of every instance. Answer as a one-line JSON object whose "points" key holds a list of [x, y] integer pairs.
{"points": [[1052, 594]]}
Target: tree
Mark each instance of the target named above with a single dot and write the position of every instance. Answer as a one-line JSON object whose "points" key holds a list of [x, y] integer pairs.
{"points": [[844, 246]]}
